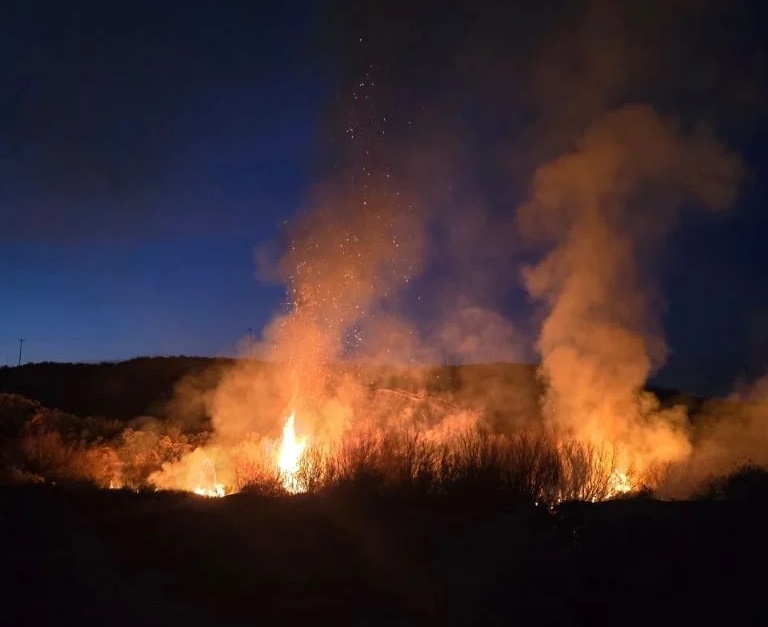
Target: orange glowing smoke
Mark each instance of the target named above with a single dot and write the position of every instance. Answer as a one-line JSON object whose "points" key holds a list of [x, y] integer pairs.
{"points": [[289, 458]]}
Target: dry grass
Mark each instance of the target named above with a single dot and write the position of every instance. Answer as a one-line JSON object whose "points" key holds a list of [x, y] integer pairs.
{"points": [[473, 464], [467, 463]]}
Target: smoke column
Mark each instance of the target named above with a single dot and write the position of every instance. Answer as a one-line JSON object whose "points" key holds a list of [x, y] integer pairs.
{"points": [[463, 136], [604, 209]]}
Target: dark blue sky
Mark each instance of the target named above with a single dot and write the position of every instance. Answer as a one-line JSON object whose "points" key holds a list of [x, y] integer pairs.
{"points": [[146, 149]]}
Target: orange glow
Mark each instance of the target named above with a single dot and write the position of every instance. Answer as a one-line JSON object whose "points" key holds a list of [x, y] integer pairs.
{"points": [[289, 458], [216, 491], [618, 483]]}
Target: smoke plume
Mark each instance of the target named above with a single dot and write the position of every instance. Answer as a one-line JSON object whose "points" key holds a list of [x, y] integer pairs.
{"points": [[407, 252], [605, 208]]}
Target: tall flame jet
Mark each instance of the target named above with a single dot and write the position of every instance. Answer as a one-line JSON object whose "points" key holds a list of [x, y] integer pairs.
{"points": [[289, 459]]}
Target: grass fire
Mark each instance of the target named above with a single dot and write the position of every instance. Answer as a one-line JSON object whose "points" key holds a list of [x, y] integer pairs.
{"points": [[290, 457], [485, 282], [426, 437]]}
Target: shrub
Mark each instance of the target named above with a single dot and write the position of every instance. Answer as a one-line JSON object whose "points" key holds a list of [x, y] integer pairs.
{"points": [[748, 483], [586, 471], [473, 464]]}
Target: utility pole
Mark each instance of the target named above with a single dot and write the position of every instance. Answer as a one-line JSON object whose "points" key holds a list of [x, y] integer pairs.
{"points": [[250, 343], [21, 343]]}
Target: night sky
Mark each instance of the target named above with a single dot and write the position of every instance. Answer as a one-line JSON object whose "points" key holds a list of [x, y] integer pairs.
{"points": [[147, 150]]}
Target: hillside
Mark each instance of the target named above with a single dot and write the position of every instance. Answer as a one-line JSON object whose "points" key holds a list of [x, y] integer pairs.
{"points": [[119, 390], [508, 393]]}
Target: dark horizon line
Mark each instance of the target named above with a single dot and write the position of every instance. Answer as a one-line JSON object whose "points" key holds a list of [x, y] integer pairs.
{"points": [[663, 389]]}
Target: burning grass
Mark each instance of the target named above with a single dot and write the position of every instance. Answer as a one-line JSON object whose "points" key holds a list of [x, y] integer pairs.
{"points": [[466, 462], [472, 462], [446, 454]]}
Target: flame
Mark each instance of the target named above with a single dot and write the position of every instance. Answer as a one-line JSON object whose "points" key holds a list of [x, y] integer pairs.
{"points": [[619, 483], [216, 491], [289, 458]]}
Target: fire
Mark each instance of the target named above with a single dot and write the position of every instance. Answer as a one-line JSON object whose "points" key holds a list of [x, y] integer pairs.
{"points": [[216, 491], [619, 483], [289, 458]]}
